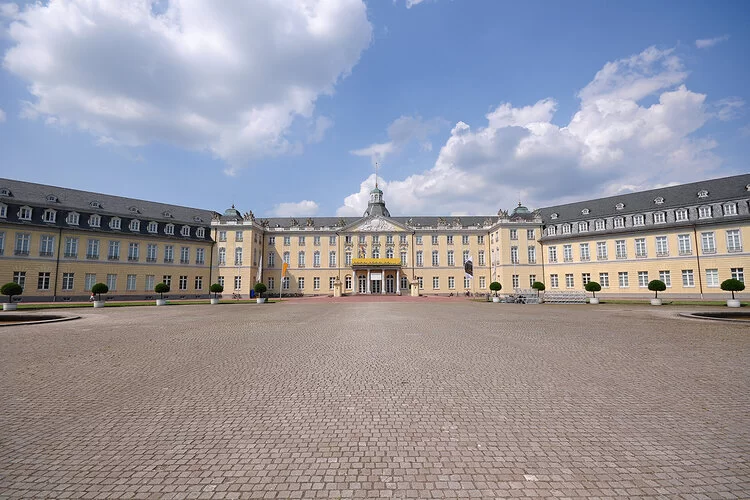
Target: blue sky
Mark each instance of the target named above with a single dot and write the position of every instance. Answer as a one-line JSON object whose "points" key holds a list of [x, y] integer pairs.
{"points": [[282, 107]]}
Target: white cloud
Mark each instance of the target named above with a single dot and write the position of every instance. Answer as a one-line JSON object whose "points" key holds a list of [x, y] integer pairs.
{"points": [[228, 77], [412, 3], [403, 131], [8, 10], [710, 42], [729, 108], [299, 209], [2, 115], [612, 143], [322, 124]]}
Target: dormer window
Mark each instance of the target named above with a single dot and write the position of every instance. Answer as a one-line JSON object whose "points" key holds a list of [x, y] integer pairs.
{"points": [[134, 210], [554, 216], [167, 214], [200, 232], [95, 204], [583, 227], [169, 229], [197, 219], [747, 188], [704, 212], [730, 209], [660, 217], [702, 193], [619, 206], [185, 231], [659, 200], [566, 229], [585, 211], [115, 223], [49, 215], [95, 220], [152, 227], [681, 215], [639, 220], [135, 225], [600, 225], [24, 213], [3, 210], [551, 230], [6, 192], [72, 218], [51, 198], [619, 222]]}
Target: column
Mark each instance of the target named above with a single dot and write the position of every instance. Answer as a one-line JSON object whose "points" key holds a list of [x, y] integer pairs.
{"points": [[355, 283], [368, 280], [382, 282], [398, 281]]}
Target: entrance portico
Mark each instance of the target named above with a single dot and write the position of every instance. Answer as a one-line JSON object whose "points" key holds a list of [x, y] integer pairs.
{"points": [[377, 276]]}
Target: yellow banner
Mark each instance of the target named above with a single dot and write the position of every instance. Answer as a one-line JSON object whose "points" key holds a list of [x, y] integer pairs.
{"points": [[284, 267], [377, 262]]}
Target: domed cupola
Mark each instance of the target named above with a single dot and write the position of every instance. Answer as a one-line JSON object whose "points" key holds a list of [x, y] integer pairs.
{"points": [[520, 210], [376, 205], [232, 213]]}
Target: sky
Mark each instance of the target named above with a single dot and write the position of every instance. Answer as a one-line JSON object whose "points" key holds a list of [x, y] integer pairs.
{"points": [[284, 107]]}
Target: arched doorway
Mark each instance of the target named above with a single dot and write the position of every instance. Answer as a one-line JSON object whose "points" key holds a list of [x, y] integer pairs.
{"points": [[390, 286]]}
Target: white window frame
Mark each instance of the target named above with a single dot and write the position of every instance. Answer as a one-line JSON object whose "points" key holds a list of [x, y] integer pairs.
{"points": [[73, 218], [49, 215], [115, 223]]}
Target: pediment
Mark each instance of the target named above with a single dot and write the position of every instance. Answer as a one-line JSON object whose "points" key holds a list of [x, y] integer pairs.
{"points": [[376, 224]]}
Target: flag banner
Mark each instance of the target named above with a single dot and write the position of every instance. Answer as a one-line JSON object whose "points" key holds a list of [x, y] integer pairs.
{"points": [[284, 267], [469, 268], [259, 278]]}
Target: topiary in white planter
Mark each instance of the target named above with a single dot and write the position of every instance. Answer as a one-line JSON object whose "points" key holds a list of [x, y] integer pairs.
{"points": [[161, 289], [656, 286], [10, 289], [732, 285], [216, 289], [98, 289], [593, 287]]}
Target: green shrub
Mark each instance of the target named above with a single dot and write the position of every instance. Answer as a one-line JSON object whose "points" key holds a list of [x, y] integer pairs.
{"points": [[496, 287], [730, 285], [11, 289], [99, 289], [216, 289], [260, 289], [657, 286], [538, 286], [161, 289], [593, 287]]}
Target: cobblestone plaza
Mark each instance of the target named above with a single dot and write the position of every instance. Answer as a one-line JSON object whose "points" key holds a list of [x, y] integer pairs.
{"points": [[446, 398]]}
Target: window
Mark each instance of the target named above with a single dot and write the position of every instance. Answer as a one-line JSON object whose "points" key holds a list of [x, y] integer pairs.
{"points": [[301, 258], [420, 281], [316, 241], [182, 283], [2, 242], [552, 254], [348, 282], [112, 282], [19, 278], [92, 249], [95, 204], [301, 241], [389, 253], [115, 223], [68, 281], [514, 281], [681, 215], [583, 227], [49, 215], [666, 277], [200, 255], [435, 258], [222, 236], [530, 234], [199, 282], [332, 240], [687, 278], [331, 281], [24, 213], [285, 283], [480, 239], [639, 220], [435, 282], [403, 258], [316, 283], [733, 240], [46, 246], [730, 209], [184, 255], [451, 259], [43, 282], [238, 236], [465, 239], [585, 278], [301, 283], [71, 219], [551, 230], [712, 278], [3, 210], [622, 279], [362, 239], [600, 225], [640, 248], [376, 253], [89, 281], [568, 253], [114, 250], [465, 256], [316, 259], [514, 255], [662, 249], [286, 258], [514, 234], [71, 247], [420, 259], [402, 239], [481, 258], [23, 242], [738, 273], [532, 279], [554, 281], [684, 244], [237, 256], [271, 283], [660, 217], [601, 250], [482, 282], [200, 232], [133, 252], [621, 251], [585, 253], [130, 283], [434, 239], [585, 211], [569, 283], [168, 254], [704, 212], [332, 258], [238, 282], [169, 229], [219, 280], [185, 231], [643, 279], [347, 258], [135, 225], [566, 229], [451, 282], [272, 240], [376, 239], [659, 200], [222, 256], [287, 240], [604, 280], [619, 206], [708, 243], [619, 222]]}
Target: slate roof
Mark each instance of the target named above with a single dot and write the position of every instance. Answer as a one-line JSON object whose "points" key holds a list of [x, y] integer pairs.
{"points": [[413, 222], [683, 195]]}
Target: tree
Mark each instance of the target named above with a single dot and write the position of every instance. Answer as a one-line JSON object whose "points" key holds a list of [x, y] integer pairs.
{"points": [[11, 289], [216, 289], [260, 288], [593, 287], [656, 286], [730, 285], [161, 289], [99, 289], [496, 287], [538, 286]]}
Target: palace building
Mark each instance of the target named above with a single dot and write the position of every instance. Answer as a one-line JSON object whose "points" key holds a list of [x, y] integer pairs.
{"points": [[690, 236]]}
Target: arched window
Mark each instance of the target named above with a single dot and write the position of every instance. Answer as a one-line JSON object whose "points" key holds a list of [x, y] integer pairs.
{"points": [[389, 253]]}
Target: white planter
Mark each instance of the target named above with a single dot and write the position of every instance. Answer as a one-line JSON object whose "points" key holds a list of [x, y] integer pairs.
{"points": [[733, 303], [495, 299], [655, 302], [10, 307], [594, 300], [260, 300], [161, 302], [98, 304], [214, 302]]}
